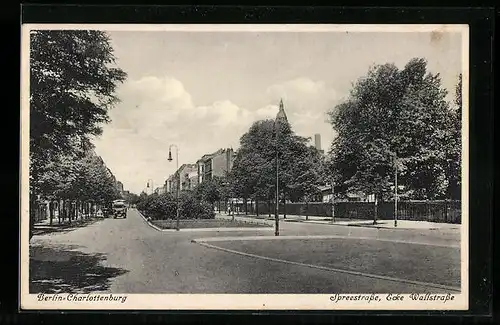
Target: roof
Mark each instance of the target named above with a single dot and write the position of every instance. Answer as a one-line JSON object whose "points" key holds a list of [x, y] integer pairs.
{"points": [[207, 156], [183, 166]]}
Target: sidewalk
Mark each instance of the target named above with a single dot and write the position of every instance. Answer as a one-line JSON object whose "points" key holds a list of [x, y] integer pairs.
{"points": [[381, 224], [43, 226]]}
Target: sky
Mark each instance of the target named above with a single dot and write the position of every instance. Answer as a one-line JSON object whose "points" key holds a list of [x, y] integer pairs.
{"points": [[202, 90]]}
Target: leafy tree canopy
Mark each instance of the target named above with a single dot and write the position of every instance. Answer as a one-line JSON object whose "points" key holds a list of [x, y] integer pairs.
{"points": [[73, 79], [395, 117]]}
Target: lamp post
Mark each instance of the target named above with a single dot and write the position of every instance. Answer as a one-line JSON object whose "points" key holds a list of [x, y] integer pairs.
{"points": [[179, 177], [333, 200]]}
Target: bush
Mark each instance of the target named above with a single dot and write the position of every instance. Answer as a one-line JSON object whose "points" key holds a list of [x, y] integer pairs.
{"points": [[163, 207]]}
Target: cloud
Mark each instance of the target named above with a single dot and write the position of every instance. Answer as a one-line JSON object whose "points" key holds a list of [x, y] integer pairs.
{"points": [[156, 112], [303, 95], [307, 102]]}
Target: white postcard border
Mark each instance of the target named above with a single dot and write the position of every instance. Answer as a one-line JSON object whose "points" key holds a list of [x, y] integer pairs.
{"points": [[237, 301]]}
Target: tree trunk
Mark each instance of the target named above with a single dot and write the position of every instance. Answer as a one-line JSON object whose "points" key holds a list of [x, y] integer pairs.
{"points": [[51, 212], [257, 206], [71, 210], [269, 207], [32, 214], [232, 210], [375, 215], [59, 216], [246, 206], [66, 211]]}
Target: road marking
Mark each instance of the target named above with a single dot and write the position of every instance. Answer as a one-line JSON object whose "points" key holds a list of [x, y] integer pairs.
{"points": [[368, 275], [216, 239]]}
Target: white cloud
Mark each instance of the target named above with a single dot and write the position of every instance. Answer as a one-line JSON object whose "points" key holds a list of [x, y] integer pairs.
{"points": [[304, 95], [158, 111]]}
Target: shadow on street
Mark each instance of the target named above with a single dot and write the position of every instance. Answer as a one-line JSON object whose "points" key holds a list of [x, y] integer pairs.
{"points": [[42, 229], [63, 269]]}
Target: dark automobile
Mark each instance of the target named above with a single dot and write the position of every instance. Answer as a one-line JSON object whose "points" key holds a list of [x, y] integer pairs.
{"points": [[119, 209]]}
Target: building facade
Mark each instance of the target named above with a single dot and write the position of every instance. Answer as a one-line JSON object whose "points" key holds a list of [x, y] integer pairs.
{"points": [[187, 174], [216, 164], [160, 190], [317, 143], [169, 184], [119, 187]]}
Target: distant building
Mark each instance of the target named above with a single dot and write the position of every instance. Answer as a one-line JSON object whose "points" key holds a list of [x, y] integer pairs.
{"points": [[119, 186], [169, 184], [216, 164], [187, 174], [192, 179], [317, 143], [326, 195], [159, 190]]}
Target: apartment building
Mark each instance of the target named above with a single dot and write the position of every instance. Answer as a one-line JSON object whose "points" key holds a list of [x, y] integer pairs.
{"points": [[188, 176], [216, 164]]}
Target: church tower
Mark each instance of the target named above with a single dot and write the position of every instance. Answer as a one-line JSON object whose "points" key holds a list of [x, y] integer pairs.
{"points": [[281, 113]]}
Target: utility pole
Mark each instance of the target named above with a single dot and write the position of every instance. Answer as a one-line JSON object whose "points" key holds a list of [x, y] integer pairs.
{"points": [[280, 117], [178, 181]]}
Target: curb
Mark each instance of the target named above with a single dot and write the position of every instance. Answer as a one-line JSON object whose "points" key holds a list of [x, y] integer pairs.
{"points": [[220, 229], [317, 237], [146, 221]]}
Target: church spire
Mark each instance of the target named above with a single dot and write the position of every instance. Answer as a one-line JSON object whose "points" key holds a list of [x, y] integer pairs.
{"points": [[281, 112]]}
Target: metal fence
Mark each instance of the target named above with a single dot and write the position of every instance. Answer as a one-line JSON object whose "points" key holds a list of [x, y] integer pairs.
{"points": [[445, 211]]}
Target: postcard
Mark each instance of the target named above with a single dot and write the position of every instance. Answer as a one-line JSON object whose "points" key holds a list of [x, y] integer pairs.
{"points": [[244, 167]]}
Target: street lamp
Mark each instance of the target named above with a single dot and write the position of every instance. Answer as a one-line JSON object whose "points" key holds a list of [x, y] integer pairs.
{"points": [[333, 199], [395, 190], [179, 176]]}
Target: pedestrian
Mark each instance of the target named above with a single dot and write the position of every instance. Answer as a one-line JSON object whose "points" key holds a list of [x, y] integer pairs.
{"points": [[229, 211]]}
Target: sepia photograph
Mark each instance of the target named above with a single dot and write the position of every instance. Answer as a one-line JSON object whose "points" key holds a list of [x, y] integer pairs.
{"points": [[313, 167]]}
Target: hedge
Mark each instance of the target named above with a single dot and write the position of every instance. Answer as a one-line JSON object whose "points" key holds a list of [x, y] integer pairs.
{"points": [[164, 207]]}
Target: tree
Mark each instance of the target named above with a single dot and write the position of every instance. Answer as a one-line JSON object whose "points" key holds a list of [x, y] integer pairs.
{"points": [[208, 191], [454, 146], [72, 84], [132, 198], [393, 117], [254, 169]]}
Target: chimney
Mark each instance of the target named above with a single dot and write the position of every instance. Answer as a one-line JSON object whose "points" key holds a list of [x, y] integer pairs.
{"points": [[317, 141]]}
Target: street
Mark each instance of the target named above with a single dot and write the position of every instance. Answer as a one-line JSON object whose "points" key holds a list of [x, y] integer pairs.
{"points": [[128, 256]]}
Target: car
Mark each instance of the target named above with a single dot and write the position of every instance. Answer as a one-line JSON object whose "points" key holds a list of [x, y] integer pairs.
{"points": [[107, 211], [119, 209]]}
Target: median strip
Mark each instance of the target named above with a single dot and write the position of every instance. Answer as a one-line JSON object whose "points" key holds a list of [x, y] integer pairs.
{"points": [[216, 239], [214, 229], [368, 275]]}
